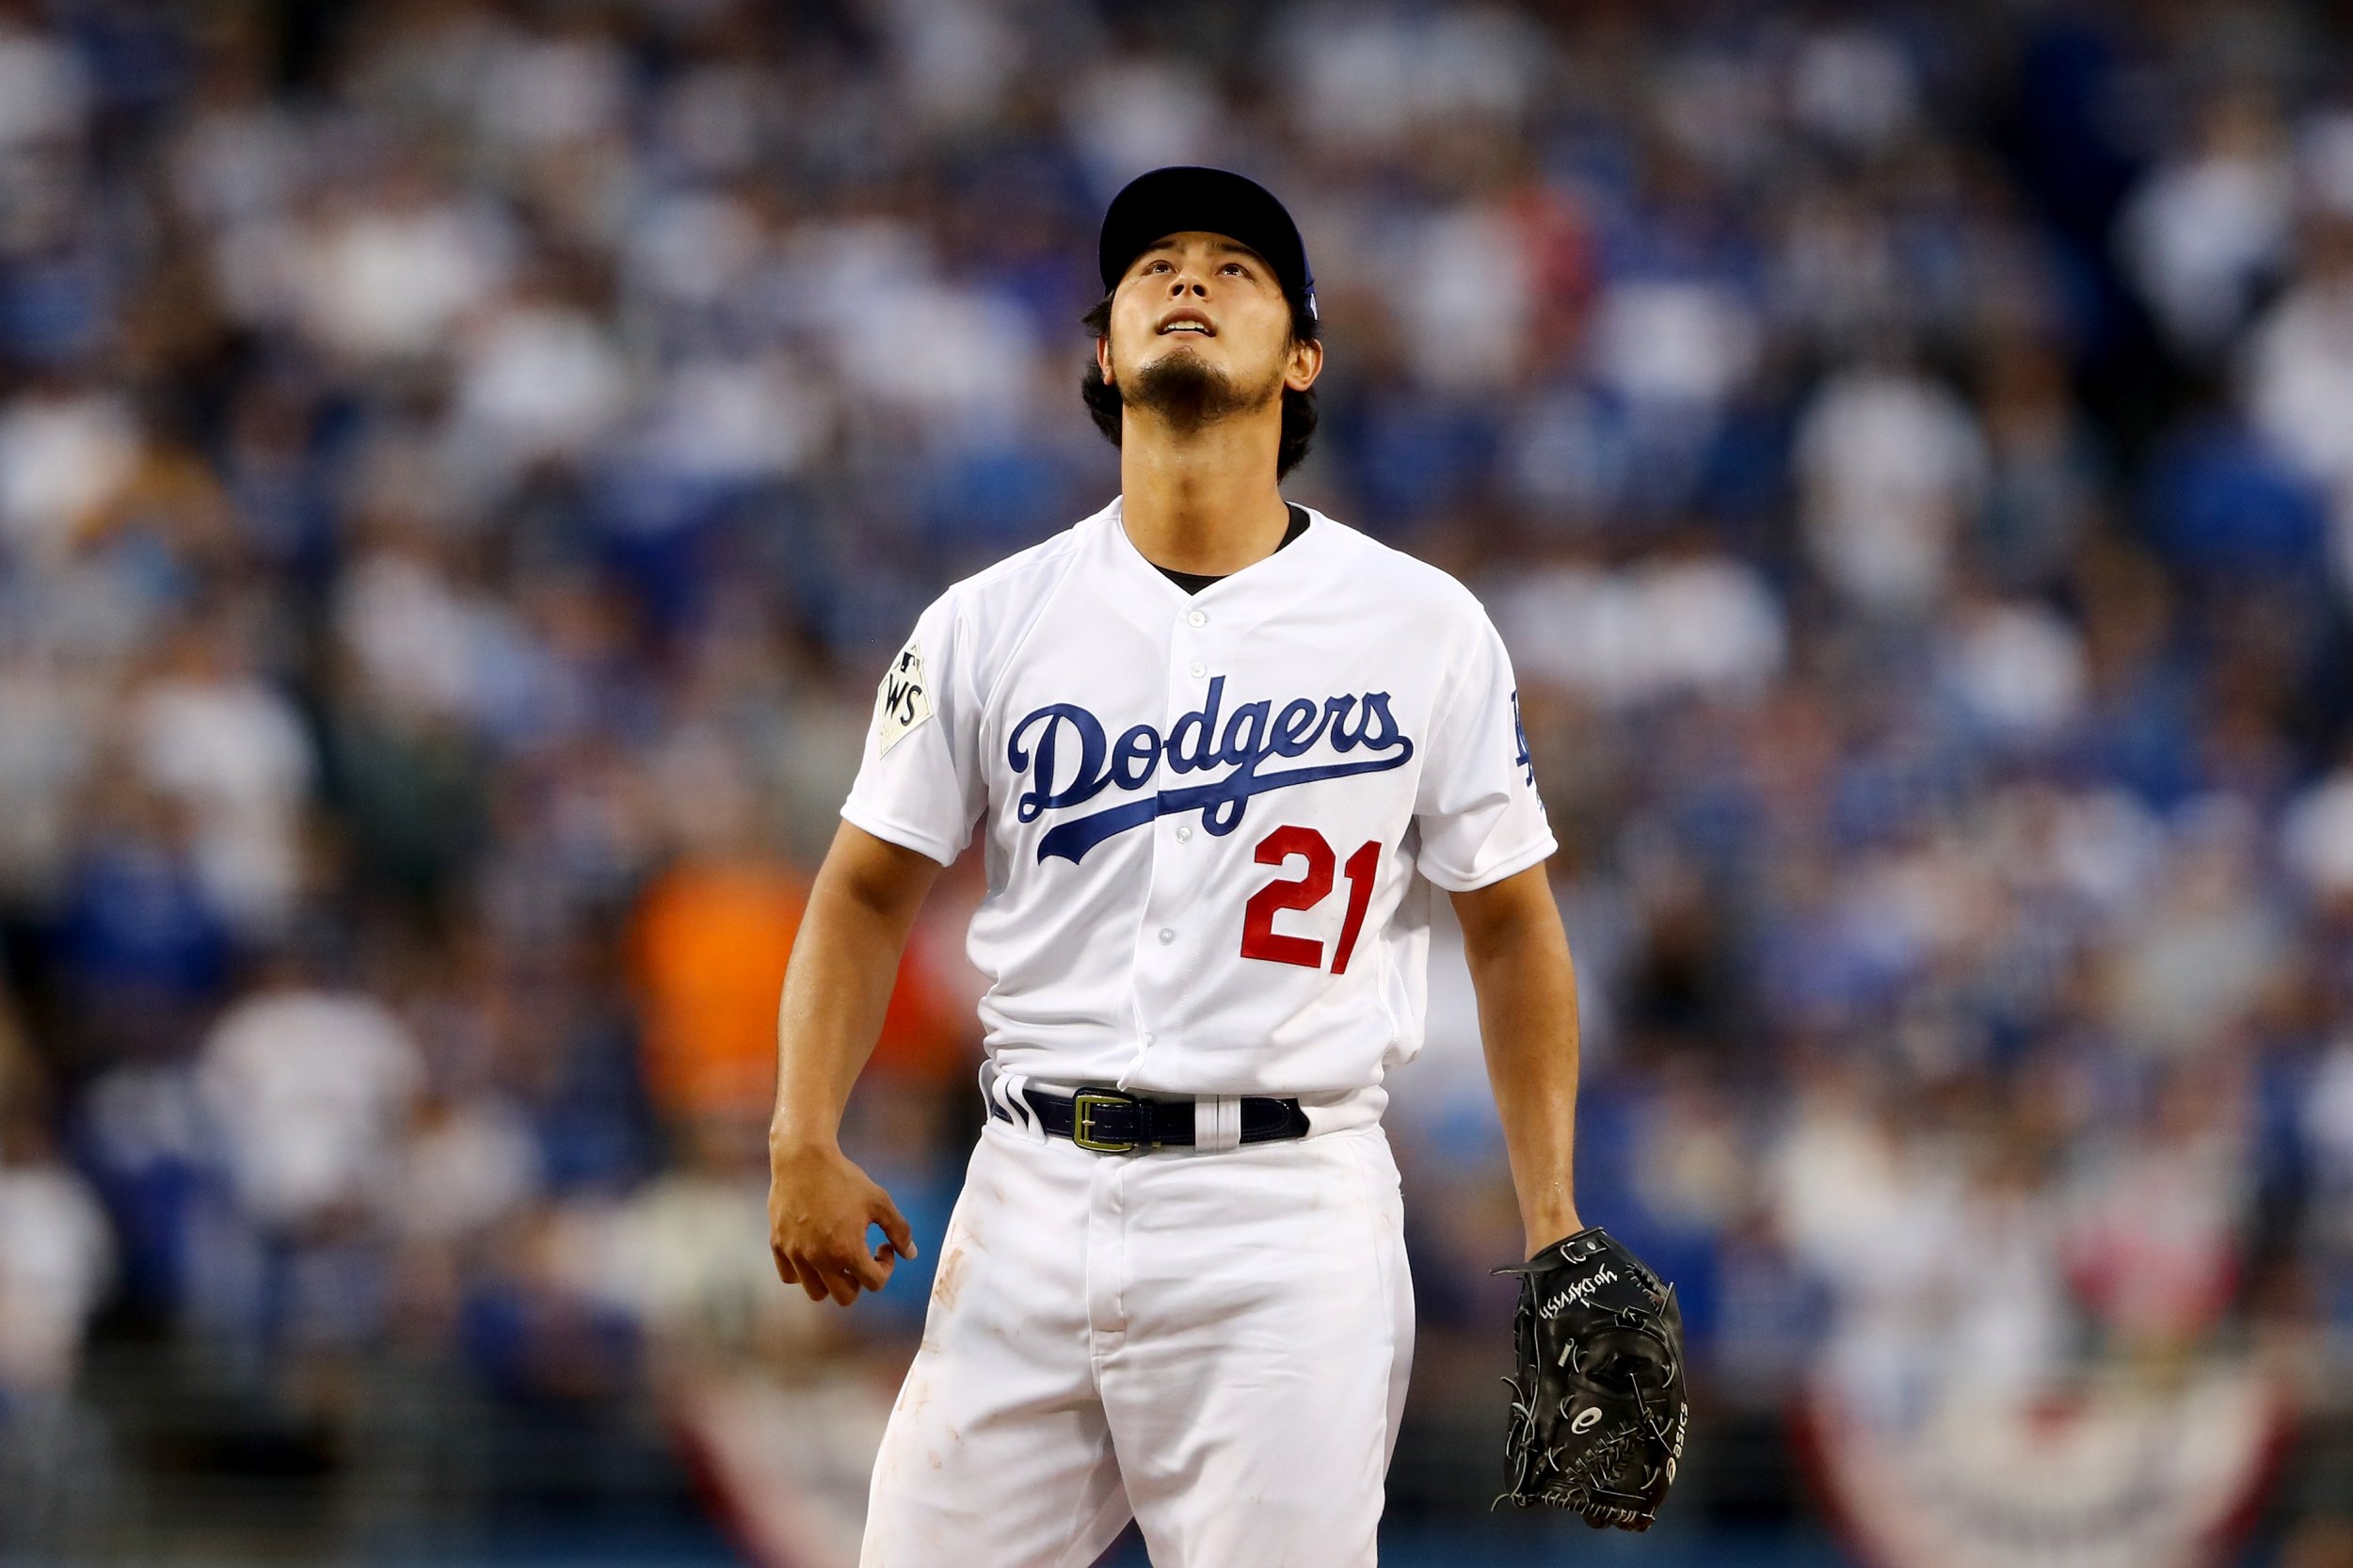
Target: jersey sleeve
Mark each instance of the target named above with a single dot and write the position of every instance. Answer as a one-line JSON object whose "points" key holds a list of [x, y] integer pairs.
{"points": [[919, 783], [1478, 810]]}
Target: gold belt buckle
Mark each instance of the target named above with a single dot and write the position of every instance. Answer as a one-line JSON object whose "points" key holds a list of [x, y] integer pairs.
{"points": [[1082, 1107]]}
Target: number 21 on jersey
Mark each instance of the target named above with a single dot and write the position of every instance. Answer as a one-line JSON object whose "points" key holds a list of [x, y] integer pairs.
{"points": [[1259, 940]]}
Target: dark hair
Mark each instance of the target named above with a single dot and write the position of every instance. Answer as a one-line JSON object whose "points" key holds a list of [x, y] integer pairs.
{"points": [[1299, 407]]}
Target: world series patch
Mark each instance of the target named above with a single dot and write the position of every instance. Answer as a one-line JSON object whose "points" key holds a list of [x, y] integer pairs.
{"points": [[903, 700]]}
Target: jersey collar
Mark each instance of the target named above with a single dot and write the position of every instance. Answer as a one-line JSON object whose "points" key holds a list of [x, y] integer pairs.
{"points": [[1265, 569]]}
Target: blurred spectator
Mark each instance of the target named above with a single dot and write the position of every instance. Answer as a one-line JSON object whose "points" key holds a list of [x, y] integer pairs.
{"points": [[686, 1259], [139, 945], [2017, 669], [235, 752], [2298, 363], [381, 268], [2045, 469], [2328, 1117], [2316, 837], [1942, 1262], [709, 937], [469, 1164], [67, 453], [2153, 1228], [2204, 946], [1695, 621], [57, 1260], [312, 1086], [711, 940], [1892, 466], [2208, 229]]}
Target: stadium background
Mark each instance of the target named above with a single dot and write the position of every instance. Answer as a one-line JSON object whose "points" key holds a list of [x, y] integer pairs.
{"points": [[464, 465]]}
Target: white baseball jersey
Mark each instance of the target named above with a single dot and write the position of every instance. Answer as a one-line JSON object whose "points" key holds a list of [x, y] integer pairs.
{"points": [[1211, 819]]}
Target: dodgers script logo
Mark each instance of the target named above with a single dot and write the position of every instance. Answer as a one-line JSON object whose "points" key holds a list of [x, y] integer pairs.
{"points": [[1254, 735]]}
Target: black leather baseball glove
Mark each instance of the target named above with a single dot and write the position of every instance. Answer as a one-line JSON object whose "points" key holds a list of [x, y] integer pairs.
{"points": [[1597, 1410]]}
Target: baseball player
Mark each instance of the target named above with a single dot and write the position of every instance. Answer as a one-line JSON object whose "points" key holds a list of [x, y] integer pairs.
{"points": [[1220, 750]]}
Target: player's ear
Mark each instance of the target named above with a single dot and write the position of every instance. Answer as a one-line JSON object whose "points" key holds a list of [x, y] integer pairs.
{"points": [[1307, 364], [1103, 358]]}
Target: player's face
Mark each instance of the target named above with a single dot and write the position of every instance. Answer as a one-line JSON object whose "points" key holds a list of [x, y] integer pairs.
{"points": [[1203, 295]]}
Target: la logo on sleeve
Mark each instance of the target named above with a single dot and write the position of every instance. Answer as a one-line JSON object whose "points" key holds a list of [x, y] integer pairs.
{"points": [[904, 701]]}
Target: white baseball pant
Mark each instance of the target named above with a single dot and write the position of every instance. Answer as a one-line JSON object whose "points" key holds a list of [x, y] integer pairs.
{"points": [[1213, 1343]]}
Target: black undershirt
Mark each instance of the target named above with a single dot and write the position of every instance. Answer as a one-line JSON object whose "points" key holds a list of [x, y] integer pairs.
{"points": [[1193, 582]]}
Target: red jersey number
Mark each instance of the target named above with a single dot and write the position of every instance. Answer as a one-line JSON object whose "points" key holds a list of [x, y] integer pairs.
{"points": [[1259, 940]]}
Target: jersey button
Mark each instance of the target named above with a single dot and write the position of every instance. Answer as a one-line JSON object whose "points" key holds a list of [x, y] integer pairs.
{"points": [[1198, 669], [1167, 936], [1198, 617], [1184, 834], [1147, 1039]]}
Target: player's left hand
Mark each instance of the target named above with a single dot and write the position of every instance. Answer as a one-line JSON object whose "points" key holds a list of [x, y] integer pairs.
{"points": [[1598, 1414]]}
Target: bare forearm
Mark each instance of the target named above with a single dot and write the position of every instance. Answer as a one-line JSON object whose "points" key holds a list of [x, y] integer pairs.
{"points": [[1527, 986], [837, 988], [836, 991]]}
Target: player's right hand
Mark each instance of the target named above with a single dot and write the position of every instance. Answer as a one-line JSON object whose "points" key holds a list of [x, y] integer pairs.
{"points": [[818, 1207]]}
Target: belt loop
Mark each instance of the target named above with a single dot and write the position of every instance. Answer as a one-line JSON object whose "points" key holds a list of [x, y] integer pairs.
{"points": [[1011, 1091], [1017, 1096], [1216, 1122]]}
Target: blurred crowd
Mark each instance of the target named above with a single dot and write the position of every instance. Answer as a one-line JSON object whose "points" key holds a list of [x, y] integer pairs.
{"points": [[464, 463]]}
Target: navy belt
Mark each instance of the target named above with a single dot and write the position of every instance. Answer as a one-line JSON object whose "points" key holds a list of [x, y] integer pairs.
{"points": [[1112, 1121]]}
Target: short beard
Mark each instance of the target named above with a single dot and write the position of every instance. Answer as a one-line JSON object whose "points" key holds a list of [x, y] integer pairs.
{"points": [[1189, 396]]}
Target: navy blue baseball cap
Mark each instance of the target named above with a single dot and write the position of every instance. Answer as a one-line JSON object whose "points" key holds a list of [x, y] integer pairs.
{"points": [[1216, 201]]}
